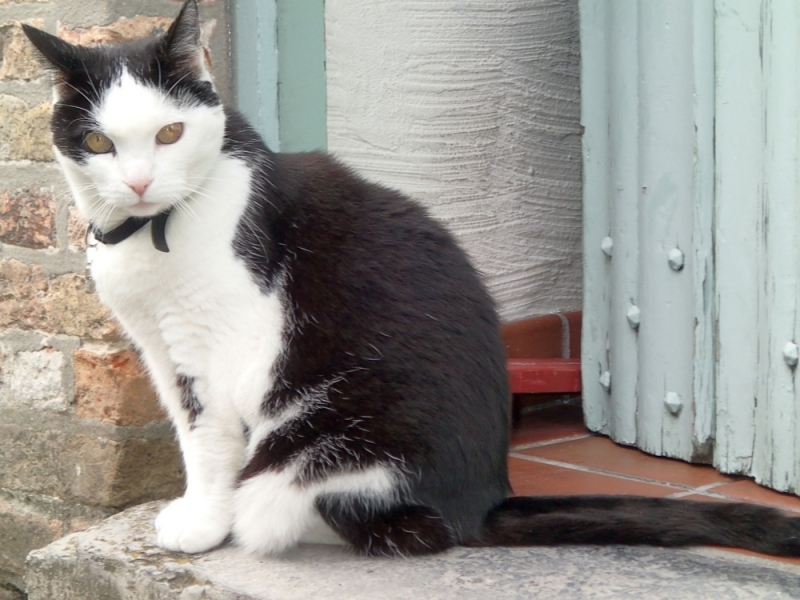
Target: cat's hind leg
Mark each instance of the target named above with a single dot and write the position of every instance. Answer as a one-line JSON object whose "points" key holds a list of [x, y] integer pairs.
{"points": [[272, 512], [275, 510], [380, 530]]}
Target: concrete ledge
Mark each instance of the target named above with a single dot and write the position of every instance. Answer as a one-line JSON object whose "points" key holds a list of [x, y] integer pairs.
{"points": [[117, 560]]}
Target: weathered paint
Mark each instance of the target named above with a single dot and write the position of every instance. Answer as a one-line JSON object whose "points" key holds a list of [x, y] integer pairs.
{"points": [[666, 180], [758, 219], [598, 245], [739, 220], [302, 85], [279, 55], [703, 274], [648, 158], [700, 115], [255, 57], [473, 108], [776, 459]]}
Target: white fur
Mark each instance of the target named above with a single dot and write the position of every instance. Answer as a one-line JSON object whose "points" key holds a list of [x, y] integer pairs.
{"points": [[131, 115], [273, 513], [196, 311]]}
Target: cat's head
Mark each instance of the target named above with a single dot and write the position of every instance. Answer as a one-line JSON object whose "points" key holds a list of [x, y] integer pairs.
{"points": [[136, 126]]}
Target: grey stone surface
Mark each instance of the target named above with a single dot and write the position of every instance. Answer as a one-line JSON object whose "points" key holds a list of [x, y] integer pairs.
{"points": [[118, 560], [87, 461]]}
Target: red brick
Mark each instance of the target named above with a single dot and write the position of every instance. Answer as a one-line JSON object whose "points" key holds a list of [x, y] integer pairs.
{"points": [[25, 130], [575, 325], [17, 57], [121, 30], [20, 287], [112, 386], [28, 218], [537, 337], [62, 305], [76, 228]]}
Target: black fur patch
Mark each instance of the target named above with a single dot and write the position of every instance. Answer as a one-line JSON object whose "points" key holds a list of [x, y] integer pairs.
{"points": [[189, 401], [526, 521], [397, 531]]}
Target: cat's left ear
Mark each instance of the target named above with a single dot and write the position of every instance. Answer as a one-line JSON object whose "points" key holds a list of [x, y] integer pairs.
{"points": [[182, 42], [60, 55]]}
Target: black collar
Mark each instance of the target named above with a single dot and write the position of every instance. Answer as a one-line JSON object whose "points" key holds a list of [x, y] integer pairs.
{"points": [[132, 225]]}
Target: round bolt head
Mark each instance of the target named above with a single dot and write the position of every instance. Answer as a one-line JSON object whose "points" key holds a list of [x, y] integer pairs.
{"points": [[634, 316], [607, 246], [605, 381], [673, 403], [676, 259], [791, 354]]}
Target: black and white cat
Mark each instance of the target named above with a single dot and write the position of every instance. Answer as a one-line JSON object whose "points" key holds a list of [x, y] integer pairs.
{"points": [[328, 355]]}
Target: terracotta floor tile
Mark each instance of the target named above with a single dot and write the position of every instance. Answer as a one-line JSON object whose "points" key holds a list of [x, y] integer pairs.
{"points": [[599, 452], [749, 491], [530, 478], [549, 424]]}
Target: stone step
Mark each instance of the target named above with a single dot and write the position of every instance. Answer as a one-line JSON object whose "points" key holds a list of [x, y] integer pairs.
{"points": [[118, 560]]}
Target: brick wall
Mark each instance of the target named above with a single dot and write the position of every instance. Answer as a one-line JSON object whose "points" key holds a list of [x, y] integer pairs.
{"points": [[81, 433]]}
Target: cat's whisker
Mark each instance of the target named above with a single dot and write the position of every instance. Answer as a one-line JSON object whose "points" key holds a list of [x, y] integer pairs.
{"points": [[85, 187], [89, 100], [80, 108], [204, 178], [89, 78], [174, 85], [184, 208], [256, 237], [103, 218], [99, 218]]}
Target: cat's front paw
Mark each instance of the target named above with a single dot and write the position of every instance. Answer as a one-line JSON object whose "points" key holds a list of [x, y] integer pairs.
{"points": [[187, 526]]}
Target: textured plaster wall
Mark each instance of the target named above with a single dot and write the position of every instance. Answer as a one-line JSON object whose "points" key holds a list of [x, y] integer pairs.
{"points": [[472, 107]]}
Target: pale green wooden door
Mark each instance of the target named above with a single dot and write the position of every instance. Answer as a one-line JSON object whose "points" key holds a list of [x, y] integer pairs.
{"points": [[279, 58], [690, 230]]}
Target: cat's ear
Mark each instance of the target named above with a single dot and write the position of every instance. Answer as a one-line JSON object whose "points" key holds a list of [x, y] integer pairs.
{"points": [[182, 42], [61, 55]]}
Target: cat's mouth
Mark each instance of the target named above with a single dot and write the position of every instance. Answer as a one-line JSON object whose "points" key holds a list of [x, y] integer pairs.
{"points": [[146, 209]]}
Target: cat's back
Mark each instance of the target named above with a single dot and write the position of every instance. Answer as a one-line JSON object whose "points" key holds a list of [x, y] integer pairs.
{"points": [[374, 240]]}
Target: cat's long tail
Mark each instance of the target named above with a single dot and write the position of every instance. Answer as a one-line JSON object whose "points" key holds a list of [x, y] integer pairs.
{"points": [[532, 521]]}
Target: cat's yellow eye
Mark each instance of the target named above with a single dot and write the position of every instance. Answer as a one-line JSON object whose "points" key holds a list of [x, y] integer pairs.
{"points": [[170, 133], [98, 143]]}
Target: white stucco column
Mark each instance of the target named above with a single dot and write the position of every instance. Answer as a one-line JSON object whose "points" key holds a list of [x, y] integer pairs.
{"points": [[473, 108]]}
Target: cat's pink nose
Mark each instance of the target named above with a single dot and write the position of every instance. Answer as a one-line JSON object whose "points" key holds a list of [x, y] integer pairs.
{"points": [[140, 187]]}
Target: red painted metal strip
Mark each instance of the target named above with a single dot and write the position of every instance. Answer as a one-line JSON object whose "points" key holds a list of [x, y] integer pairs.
{"points": [[544, 375]]}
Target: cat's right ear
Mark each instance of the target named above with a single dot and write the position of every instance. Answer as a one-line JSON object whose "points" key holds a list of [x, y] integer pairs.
{"points": [[62, 56], [182, 42]]}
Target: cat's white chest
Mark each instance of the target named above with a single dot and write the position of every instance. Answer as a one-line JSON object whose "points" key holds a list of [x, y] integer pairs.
{"points": [[198, 306]]}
